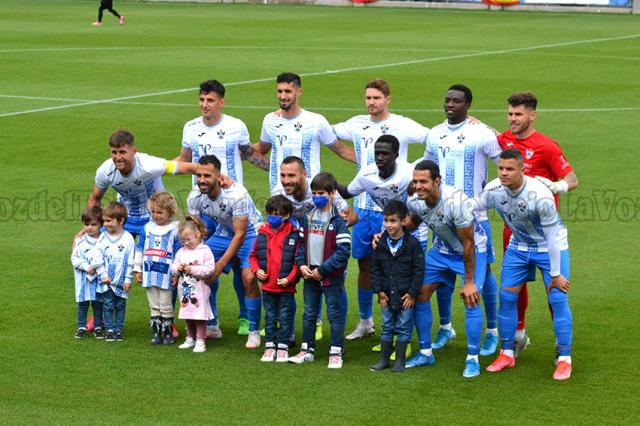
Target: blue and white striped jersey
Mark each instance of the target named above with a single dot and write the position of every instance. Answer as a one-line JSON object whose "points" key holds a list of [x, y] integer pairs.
{"points": [[364, 133], [83, 257], [525, 212], [461, 151], [117, 257], [453, 211], [304, 206], [382, 190], [231, 203], [300, 136], [135, 189], [223, 140], [157, 246]]}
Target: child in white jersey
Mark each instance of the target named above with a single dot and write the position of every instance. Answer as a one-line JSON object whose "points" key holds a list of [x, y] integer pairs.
{"points": [[156, 248], [85, 259], [116, 247], [193, 264]]}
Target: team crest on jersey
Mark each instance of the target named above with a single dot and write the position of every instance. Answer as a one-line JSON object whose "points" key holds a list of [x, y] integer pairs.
{"points": [[223, 206], [384, 129], [440, 215], [461, 138], [331, 227], [157, 241], [121, 247], [221, 134], [528, 154], [137, 182], [297, 126], [393, 188], [522, 206]]}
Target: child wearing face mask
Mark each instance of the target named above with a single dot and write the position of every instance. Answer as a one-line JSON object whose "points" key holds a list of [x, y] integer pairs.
{"points": [[273, 262], [322, 263]]}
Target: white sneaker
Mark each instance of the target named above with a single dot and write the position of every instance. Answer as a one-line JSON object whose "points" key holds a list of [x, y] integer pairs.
{"points": [[283, 355], [188, 343], [214, 332], [364, 328], [335, 357], [200, 346], [253, 341], [269, 355], [305, 355]]}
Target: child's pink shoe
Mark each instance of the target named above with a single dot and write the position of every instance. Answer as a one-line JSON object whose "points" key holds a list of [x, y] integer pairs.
{"points": [[121, 20], [96, 24], [90, 323]]}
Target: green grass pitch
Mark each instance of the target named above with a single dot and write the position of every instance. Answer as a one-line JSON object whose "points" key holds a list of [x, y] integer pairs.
{"points": [[65, 86]]}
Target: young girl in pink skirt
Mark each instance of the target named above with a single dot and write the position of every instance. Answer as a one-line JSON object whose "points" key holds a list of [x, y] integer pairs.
{"points": [[193, 264]]}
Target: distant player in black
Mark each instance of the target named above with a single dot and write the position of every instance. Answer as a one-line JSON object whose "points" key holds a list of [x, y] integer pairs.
{"points": [[107, 5]]}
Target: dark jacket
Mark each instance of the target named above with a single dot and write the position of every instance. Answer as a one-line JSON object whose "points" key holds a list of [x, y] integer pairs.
{"points": [[399, 274], [337, 248], [275, 253]]}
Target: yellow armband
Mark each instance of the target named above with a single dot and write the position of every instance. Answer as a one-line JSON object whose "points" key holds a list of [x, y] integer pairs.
{"points": [[171, 168]]}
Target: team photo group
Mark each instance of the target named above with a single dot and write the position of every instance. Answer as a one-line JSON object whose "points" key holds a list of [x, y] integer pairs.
{"points": [[413, 227]]}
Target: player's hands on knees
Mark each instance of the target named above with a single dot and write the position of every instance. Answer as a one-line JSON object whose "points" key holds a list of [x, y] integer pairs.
{"points": [[469, 294], [383, 300], [408, 301], [374, 241], [559, 282]]}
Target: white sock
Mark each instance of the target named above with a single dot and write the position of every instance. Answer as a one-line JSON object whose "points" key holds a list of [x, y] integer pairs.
{"points": [[473, 357], [507, 352], [566, 359], [520, 334], [493, 331], [445, 326], [200, 341], [427, 352]]}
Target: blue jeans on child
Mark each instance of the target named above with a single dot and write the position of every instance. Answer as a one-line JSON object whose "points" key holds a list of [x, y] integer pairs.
{"points": [[83, 310], [333, 295], [396, 322], [278, 317], [113, 304]]}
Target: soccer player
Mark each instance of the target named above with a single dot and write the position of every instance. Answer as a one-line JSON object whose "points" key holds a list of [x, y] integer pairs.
{"points": [[544, 160], [238, 222], [459, 248], [215, 133], [387, 179], [134, 176], [364, 131], [461, 148], [107, 5], [292, 130], [539, 239]]}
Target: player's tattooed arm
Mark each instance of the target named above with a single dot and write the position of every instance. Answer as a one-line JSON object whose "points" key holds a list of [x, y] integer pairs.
{"points": [[254, 157], [468, 292]]}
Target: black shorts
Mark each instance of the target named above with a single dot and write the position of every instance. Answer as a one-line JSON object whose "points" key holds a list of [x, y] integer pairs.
{"points": [[106, 4]]}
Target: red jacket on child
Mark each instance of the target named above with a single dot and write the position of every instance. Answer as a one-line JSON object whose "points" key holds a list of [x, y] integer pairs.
{"points": [[275, 253]]}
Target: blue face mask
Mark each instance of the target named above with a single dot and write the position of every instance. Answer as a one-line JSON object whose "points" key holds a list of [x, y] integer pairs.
{"points": [[320, 200], [275, 221]]}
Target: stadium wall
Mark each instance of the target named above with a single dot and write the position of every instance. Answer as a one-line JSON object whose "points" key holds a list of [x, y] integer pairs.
{"points": [[634, 8]]}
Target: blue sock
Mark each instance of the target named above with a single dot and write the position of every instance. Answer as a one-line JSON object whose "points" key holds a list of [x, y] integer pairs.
{"points": [[508, 318], [213, 301], [423, 320], [490, 299], [319, 318], [344, 305], [562, 320], [238, 286], [254, 310], [365, 303], [444, 294], [473, 326]]}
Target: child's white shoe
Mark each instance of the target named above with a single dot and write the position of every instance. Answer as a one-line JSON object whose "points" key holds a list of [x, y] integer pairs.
{"points": [[253, 341], [200, 346], [283, 354], [188, 343], [269, 354], [335, 357]]}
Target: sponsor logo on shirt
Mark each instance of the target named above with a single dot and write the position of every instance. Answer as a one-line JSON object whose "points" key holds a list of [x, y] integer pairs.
{"points": [[201, 134], [155, 252]]}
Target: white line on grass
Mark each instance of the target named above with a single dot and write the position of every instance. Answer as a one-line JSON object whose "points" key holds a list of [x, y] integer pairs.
{"points": [[328, 72], [321, 108]]}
